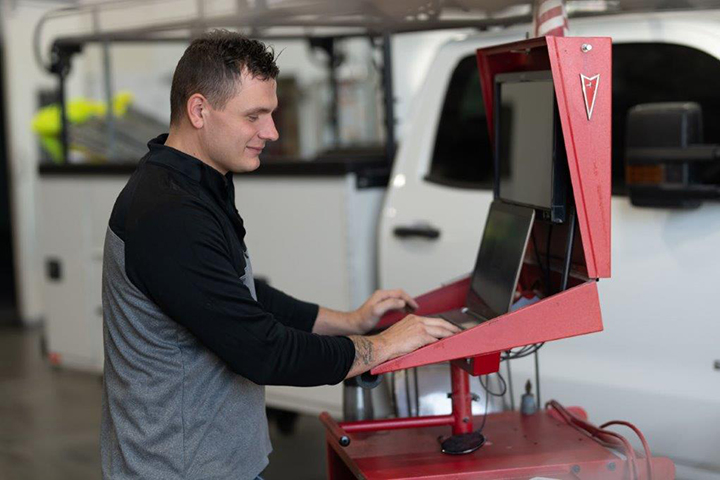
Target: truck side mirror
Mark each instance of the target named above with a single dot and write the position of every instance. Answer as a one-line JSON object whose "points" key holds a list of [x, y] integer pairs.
{"points": [[667, 164]]}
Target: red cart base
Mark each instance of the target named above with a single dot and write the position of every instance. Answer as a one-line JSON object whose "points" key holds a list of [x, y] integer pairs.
{"points": [[517, 447]]}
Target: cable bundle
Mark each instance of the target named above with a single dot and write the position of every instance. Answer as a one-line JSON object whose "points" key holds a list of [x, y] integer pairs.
{"points": [[606, 437]]}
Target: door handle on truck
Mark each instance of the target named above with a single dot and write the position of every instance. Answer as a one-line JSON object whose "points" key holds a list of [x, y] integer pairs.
{"points": [[423, 231]]}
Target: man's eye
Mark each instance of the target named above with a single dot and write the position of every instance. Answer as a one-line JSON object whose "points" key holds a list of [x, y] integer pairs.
{"points": [[252, 118]]}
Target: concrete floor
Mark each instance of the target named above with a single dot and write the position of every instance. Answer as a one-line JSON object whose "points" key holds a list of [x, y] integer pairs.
{"points": [[50, 421]]}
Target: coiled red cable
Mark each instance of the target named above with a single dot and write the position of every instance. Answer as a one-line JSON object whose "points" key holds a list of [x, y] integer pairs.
{"points": [[640, 435], [607, 437]]}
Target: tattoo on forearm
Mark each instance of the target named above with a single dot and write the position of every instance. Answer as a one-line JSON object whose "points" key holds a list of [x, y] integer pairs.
{"points": [[364, 354]]}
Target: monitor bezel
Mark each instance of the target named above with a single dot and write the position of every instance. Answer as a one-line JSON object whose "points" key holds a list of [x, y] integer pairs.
{"points": [[557, 211]]}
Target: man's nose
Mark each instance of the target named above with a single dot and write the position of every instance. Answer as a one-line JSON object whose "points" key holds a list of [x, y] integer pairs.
{"points": [[269, 132]]}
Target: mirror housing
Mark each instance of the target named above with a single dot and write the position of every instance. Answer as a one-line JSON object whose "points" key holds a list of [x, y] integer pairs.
{"points": [[667, 164]]}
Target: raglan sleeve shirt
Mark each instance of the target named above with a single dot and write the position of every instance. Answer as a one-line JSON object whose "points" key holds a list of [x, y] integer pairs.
{"points": [[180, 258], [287, 310]]}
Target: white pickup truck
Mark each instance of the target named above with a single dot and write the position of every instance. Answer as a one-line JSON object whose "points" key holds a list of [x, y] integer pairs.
{"points": [[657, 364]]}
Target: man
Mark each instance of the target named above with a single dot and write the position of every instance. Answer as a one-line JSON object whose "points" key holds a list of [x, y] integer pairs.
{"points": [[190, 337]]}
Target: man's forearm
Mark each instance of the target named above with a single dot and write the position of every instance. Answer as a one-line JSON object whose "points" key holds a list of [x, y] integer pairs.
{"points": [[333, 322]]}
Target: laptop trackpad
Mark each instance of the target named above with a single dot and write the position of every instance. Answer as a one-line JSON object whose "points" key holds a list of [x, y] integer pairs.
{"points": [[461, 319]]}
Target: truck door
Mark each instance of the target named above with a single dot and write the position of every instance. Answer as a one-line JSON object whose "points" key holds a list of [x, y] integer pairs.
{"points": [[441, 186]]}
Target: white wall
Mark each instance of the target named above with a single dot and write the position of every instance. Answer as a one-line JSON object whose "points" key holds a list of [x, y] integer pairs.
{"points": [[23, 79]]}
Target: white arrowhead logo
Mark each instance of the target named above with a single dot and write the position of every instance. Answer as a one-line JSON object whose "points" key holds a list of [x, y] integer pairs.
{"points": [[589, 88]]}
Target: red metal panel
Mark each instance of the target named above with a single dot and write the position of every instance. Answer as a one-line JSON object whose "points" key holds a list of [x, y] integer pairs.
{"points": [[523, 56], [480, 365], [517, 447], [567, 314], [587, 141], [587, 137]]}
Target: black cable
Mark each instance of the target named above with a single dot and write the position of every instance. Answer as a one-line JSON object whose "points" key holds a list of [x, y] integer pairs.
{"points": [[523, 352], [487, 404], [407, 393], [568, 251], [487, 389], [537, 257], [488, 393], [417, 392], [512, 354], [537, 376], [548, 271], [512, 394]]}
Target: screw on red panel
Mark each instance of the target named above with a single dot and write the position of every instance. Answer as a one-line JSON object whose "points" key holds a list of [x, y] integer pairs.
{"points": [[54, 358]]}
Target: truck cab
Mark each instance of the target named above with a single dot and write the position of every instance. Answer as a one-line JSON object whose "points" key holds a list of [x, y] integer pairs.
{"points": [[658, 358]]}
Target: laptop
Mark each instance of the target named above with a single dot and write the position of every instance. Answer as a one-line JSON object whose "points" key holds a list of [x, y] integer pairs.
{"points": [[497, 267]]}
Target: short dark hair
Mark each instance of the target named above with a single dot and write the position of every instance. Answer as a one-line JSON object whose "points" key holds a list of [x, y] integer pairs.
{"points": [[212, 66]]}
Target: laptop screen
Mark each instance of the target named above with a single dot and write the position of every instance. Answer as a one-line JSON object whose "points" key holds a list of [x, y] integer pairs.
{"points": [[501, 255]]}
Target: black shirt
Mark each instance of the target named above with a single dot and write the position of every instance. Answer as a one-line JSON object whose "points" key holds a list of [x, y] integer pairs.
{"points": [[184, 250]]}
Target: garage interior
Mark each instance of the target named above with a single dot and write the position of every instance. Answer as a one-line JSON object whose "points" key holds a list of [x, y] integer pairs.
{"points": [[384, 173]]}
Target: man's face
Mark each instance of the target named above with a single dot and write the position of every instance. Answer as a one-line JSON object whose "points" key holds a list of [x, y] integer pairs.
{"points": [[235, 136]]}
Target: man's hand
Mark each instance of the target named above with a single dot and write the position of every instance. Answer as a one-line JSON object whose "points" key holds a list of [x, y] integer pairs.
{"points": [[364, 319], [379, 303], [413, 332], [409, 334]]}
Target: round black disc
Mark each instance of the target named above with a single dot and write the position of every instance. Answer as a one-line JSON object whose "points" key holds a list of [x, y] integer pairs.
{"points": [[463, 443]]}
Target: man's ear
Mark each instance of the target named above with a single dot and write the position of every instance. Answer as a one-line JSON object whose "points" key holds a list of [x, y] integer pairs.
{"points": [[196, 108]]}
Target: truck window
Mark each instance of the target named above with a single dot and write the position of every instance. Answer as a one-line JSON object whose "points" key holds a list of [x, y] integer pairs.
{"points": [[642, 73], [462, 156], [661, 72]]}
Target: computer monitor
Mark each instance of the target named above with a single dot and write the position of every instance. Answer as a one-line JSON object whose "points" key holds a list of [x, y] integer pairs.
{"points": [[530, 164], [500, 258]]}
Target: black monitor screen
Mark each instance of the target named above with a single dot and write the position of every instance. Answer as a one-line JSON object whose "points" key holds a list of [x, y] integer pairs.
{"points": [[525, 138], [501, 255]]}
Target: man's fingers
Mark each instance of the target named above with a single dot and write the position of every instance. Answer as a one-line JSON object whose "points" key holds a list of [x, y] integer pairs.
{"points": [[439, 322], [382, 295], [408, 299], [388, 304], [429, 338], [439, 332]]}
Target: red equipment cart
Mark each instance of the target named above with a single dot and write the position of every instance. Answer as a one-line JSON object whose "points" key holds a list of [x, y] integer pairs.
{"points": [[555, 442]]}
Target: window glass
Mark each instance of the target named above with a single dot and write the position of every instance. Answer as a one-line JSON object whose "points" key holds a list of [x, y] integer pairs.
{"points": [[462, 156], [658, 72], [642, 73]]}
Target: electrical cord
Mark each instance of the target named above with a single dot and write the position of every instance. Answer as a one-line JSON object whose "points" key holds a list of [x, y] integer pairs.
{"points": [[640, 435], [537, 376], [537, 256], [512, 394], [488, 393], [548, 272], [606, 437], [522, 353], [487, 389], [485, 414]]}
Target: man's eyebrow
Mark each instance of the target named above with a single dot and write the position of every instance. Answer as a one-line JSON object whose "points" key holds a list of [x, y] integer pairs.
{"points": [[255, 111]]}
